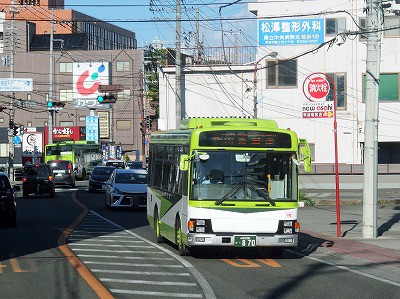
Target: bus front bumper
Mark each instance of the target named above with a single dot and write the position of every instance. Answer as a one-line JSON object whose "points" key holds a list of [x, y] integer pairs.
{"points": [[270, 240]]}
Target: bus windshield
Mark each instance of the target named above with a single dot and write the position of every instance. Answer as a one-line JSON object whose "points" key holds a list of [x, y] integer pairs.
{"points": [[244, 176]]}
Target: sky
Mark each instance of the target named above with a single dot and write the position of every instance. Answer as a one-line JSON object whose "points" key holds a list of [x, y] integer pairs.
{"points": [[159, 23]]}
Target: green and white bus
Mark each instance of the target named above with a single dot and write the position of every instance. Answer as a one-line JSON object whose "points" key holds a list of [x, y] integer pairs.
{"points": [[226, 182], [80, 153]]}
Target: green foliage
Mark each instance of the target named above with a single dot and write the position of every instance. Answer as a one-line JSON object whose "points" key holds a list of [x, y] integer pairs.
{"points": [[308, 202], [126, 157]]}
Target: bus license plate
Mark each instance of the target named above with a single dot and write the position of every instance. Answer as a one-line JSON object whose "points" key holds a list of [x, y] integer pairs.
{"points": [[245, 241]]}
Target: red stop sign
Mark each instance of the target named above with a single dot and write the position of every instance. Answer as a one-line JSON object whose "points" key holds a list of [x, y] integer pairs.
{"points": [[318, 87]]}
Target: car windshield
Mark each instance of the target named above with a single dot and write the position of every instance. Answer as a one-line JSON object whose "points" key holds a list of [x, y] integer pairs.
{"points": [[136, 164], [59, 165], [244, 176], [103, 170], [116, 164], [131, 178], [37, 171], [94, 162]]}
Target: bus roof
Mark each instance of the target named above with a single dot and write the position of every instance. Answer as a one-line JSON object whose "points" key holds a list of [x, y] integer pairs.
{"points": [[208, 122]]}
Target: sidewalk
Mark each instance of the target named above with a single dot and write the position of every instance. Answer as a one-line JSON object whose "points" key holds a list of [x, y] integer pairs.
{"points": [[379, 256]]}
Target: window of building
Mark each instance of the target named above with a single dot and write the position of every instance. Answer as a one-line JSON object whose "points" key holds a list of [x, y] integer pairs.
{"points": [[82, 118], [66, 95], [388, 87], [1, 120], [340, 84], [45, 124], [281, 73], [124, 125], [334, 26], [29, 2], [29, 124], [123, 66], [392, 26], [65, 67]]}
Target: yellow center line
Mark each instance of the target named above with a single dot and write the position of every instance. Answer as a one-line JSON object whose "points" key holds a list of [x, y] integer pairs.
{"points": [[92, 281]]}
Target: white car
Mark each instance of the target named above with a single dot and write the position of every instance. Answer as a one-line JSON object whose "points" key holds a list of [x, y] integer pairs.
{"points": [[126, 188]]}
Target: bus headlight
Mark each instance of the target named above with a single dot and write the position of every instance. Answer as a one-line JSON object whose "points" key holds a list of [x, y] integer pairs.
{"points": [[288, 227], [199, 225]]}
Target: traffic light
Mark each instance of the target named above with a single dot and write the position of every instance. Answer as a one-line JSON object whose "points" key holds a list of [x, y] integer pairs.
{"points": [[15, 130], [55, 105], [108, 98], [21, 130]]}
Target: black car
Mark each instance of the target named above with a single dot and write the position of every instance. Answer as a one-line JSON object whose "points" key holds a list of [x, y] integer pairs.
{"points": [[8, 206], [63, 171], [38, 179], [100, 174], [135, 164]]}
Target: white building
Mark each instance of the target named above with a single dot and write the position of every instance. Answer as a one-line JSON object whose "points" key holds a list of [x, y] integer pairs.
{"points": [[228, 91]]}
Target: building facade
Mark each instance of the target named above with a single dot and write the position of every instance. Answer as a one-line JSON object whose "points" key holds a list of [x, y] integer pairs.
{"points": [[279, 89], [28, 42]]}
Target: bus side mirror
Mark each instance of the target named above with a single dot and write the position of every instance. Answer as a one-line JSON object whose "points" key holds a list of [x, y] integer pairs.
{"points": [[184, 162], [305, 154]]}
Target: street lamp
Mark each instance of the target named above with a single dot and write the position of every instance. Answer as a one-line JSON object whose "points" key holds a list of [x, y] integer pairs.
{"points": [[273, 55]]}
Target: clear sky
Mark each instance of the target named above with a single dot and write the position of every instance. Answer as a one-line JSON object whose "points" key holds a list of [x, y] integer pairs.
{"points": [[155, 19]]}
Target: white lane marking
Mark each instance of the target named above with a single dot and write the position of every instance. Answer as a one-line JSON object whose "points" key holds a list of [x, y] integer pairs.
{"points": [[208, 291], [96, 231], [116, 251], [111, 245], [162, 283], [118, 237], [126, 257], [140, 272], [106, 241], [132, 265], [348, 269], [163, 294]]}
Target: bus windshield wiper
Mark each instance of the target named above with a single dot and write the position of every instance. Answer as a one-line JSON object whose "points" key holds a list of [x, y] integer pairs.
{"points": [[262, 192], [232, 192]]}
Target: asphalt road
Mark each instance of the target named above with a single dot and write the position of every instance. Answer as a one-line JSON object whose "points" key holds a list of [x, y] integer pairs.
{"points": [[56, 240]]}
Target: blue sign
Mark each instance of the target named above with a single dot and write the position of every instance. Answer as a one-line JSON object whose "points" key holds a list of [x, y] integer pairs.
{"points": [[16, 140], [118, 152], [288, 32], [92, 128]]}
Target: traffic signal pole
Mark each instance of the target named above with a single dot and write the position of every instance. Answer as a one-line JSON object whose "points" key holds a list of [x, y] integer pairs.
{"points": [[51, 91], [11, 122]]}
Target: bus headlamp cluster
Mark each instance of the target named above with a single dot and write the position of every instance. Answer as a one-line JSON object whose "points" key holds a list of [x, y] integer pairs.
{"points": [[289, 227], [199, 225]]}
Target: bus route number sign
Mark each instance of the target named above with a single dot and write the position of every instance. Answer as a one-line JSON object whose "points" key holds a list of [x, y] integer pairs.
{"points": [[245, 241]]}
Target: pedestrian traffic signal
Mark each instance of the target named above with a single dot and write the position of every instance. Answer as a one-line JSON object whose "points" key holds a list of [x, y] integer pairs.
{"points": [[21, 130], [55, 105], [108, 98]]}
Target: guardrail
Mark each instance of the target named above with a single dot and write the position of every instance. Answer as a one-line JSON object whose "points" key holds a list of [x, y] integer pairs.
{"points": [[349, 169]]}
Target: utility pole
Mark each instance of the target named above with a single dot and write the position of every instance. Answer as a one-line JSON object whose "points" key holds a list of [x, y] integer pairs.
{"points": [[370, 196], [11, 151], [178, 67], [197, 35], [51, 82]]}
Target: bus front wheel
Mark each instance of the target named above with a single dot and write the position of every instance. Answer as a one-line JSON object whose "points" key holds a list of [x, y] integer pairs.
{"points": [[178, 238]]}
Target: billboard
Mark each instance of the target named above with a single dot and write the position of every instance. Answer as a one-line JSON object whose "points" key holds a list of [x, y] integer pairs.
{"points": [[30, 141], [288, 32], [87, 76]]}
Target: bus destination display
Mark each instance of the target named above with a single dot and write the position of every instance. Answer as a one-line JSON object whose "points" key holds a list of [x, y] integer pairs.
{"points": [[259, 139]]}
